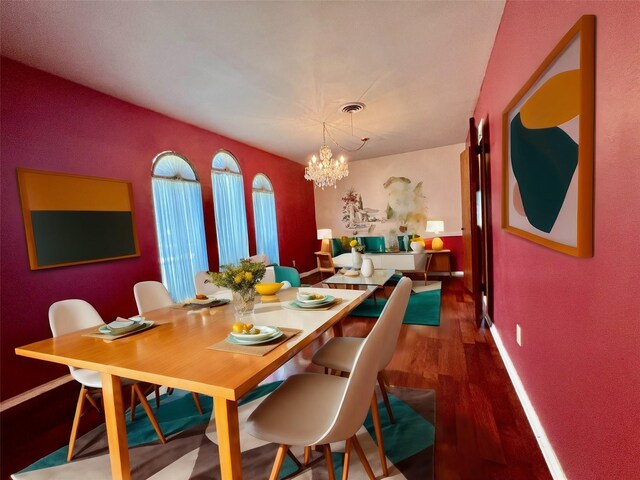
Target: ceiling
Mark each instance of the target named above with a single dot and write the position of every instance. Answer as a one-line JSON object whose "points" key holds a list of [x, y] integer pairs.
{"points": [[268, 73]]}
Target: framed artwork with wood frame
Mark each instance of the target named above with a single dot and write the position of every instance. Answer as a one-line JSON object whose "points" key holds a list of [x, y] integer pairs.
{"points": [[74, 219], [548, 145]]}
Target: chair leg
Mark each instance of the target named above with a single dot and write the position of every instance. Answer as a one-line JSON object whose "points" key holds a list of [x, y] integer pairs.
{"points": [[76, 421], [347, 458], [156, 390], [385, 397], [196, 400], [307, 455], [362, 457], [329, 460], [147, 409], [295, 460], [277, 465], [378, 428], [132, 408], [92, 401]]}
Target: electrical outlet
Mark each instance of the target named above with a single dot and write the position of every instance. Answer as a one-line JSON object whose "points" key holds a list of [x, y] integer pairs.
{"points": [[294, 263], [518, 335]]}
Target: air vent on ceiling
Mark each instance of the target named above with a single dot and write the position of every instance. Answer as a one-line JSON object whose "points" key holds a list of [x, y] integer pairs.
{"points": [[352, 107]]}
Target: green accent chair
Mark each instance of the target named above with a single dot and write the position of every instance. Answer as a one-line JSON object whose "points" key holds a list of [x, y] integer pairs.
{"points": [[288, 274]]}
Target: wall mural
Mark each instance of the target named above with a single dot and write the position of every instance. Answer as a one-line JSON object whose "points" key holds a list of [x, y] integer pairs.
{"points": [[405, 212]]}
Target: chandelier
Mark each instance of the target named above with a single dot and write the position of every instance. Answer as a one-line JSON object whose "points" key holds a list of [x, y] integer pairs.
{"points": [[327, 170]]}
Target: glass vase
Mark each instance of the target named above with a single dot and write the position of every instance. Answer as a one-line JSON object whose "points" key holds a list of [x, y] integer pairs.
{"points": [[243, 301]]}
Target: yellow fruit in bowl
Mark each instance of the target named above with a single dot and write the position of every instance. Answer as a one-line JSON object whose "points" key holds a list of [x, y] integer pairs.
{"points": [[238, 327]]}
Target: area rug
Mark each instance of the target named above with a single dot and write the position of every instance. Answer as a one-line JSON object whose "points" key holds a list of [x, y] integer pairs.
{"points": [[423, 307], [191, 451]]}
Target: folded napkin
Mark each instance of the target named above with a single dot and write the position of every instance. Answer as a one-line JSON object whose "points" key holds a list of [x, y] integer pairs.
{"points": [[123, 325]]}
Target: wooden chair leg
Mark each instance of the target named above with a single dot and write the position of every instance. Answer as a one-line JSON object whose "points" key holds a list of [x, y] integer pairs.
{"points": [[147, 409], [132, 408], [196, 400], [295, 460], [378, 428], [307, 455], [76, 421], [347, 458], [385, 397], [277, 465], [92, 401], [156, 390], [362, 457], [329, 460]]}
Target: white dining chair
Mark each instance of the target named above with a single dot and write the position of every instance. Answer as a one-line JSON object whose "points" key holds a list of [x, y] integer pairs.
{"points": [[207, 288], [152, 295], [314, 409], [68, 316], [339, 353]]}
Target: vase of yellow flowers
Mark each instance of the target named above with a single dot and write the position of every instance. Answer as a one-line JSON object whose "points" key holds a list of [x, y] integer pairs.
{"points": [[241, 280], [356, 256]]}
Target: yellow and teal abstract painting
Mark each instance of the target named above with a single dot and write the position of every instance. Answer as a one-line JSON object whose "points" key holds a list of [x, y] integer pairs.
{"points": [[545, 156]]}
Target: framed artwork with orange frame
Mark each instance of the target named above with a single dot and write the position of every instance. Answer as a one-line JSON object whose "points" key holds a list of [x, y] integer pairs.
{"points": [[548, 148]]}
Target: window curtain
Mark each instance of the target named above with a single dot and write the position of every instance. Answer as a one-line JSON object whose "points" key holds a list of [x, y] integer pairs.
{"points": [[264, 211], [231, 217], [181, 238]]}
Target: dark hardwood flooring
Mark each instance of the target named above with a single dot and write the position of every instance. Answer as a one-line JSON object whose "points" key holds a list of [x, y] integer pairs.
{"points": [[481, 429]]}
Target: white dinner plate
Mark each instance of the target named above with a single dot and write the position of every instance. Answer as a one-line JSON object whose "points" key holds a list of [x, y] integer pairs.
{"points": [[120, 328], [265, 332], [232, 339], [317, 304], [315, 301]]}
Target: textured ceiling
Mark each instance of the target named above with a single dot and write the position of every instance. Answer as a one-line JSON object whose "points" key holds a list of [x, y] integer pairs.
{"points": [[269, 73]]}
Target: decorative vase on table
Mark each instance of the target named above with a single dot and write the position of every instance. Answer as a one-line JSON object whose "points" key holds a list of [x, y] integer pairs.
{"points": [[367, 267], [241, 280], [356, 258], [243, 301]]}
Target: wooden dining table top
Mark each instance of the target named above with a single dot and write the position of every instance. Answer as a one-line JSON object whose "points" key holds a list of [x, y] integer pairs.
{"points": [[175, 353]]}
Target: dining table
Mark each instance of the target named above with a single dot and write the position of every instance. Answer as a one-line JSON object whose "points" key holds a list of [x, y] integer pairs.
{"points": [[177, 352]]}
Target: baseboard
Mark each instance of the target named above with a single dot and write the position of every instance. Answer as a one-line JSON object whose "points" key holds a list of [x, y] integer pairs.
{"points": [[34, 392], [310, 272], [543, 441]]}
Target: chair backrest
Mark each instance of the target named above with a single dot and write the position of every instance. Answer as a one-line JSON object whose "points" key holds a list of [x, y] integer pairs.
{"points": [[151, 295], [356, 399], [260, 258], [269, 275], [202, 287], [325, 262], [288, 274], [68, 316]]}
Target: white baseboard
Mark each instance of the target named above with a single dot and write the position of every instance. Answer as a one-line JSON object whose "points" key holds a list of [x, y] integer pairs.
{"points": [[34, 392], [543, 441]]}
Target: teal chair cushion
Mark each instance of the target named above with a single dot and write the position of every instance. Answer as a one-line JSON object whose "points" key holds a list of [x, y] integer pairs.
{"points": [[372, 244]]}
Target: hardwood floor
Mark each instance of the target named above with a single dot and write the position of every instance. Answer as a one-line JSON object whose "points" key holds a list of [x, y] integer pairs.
{"points": [[481, 429]]}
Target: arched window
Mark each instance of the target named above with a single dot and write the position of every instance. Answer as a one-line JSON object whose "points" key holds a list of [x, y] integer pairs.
{"points": [[264, 214], [229, 209], [177, 199]]}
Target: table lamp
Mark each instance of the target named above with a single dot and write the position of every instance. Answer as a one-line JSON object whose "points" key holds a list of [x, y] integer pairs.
{"points": [[435, 226], [325, 234]]}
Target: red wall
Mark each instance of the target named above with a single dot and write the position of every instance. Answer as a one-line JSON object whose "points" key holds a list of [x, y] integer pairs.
{"points": [[580, 318], [52, 124]]}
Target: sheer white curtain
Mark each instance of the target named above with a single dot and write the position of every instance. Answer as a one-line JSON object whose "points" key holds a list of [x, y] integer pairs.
{"points": [[179, 226], [264, 211], [231, 216]]}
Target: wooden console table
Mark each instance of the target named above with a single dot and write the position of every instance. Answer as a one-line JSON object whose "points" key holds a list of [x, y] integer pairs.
{"points": [[440, 261]]}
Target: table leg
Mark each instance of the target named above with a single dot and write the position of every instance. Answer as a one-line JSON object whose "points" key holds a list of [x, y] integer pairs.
{"points": [[116, 427], [228, 429]]}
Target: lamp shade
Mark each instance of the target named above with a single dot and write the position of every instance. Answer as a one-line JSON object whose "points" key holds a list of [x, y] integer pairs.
{"points": [[324, 233], [435, 226]]}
